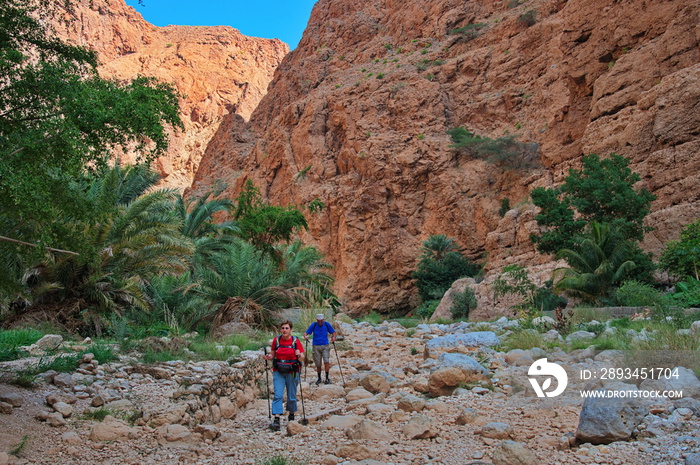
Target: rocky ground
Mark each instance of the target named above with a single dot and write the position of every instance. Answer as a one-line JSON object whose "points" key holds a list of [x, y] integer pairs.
{"points": [[382, 415]]}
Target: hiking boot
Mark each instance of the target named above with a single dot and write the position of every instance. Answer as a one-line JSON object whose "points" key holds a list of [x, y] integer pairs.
{"points": [[318, 381], [327, 381], [275, 425], [291, 417]]}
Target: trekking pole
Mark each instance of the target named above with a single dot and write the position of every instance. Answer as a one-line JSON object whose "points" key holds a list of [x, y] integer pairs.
{"points": [[306, 361], [339, 368], [267, 383], [303, 421]]}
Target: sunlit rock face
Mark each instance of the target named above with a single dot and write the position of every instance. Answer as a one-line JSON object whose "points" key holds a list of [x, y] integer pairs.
{"points": [[357, 116], [217, 70]]}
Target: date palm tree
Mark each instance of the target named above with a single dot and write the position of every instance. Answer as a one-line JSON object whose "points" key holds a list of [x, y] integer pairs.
{"points": [[243, 284], [131, 240], [599, 262], [247, 285], [197, 219], [437, 246]]}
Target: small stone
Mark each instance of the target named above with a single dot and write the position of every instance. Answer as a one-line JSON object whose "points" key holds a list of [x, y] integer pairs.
{"points": [[109, 430], [467, 416], [63, 380], [294, 428], [411, 403], [398, 416], [420, 427], [207, 431], [64, 409], [513, 453], [56, 420], [62, 397], [12, 398], [173, 433], [71, 437], [5, 408], [497, 430]]}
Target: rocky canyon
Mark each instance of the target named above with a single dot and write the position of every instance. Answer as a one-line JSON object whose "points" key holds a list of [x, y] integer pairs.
{"points": [[358, 117], [216, 70]]}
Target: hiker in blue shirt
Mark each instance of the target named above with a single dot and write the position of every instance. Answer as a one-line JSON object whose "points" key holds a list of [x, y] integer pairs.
{"points": [[321, 349]]}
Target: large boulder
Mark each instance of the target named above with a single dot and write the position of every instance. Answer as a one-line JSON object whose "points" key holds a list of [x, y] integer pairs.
{"points": [[453, 370], [463, 343], [49, 342], [607, 419], [375, 383]]}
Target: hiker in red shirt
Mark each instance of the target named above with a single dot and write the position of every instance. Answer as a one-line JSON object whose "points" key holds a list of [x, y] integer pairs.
{"points": [[285, 353]]}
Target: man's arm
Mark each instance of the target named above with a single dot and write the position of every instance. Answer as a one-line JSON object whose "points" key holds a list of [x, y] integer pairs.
{"points": [[308, 331]]}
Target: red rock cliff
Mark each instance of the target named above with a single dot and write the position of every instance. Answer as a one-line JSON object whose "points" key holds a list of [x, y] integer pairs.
{"points": [[217, 70], [358, 115]]}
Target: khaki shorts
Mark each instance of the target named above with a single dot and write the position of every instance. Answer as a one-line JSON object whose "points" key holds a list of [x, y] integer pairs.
{"points": [[321, 351]]}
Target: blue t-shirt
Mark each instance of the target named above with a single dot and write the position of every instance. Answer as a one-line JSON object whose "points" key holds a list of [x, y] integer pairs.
{"points": [[320, 332]]}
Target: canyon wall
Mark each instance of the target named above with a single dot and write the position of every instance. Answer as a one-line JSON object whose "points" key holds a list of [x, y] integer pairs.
{"points": [[357, 116], [217, 70]]}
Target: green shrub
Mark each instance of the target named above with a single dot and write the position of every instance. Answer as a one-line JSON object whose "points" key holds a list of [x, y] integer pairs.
{"points": [[408, 323], [505, 151], [529, 18], [373, 318], [210, 350], [247, 341], [280, 460], [584, 198], [98, 414], [427, 309], [103, 353], [151, 356], [687, 293], [463, 302], [524, 339], [667, 338], [635, 294], [681, 258], [545, 300], [505, 207], [12, 340], [440, 265], [24, 379], [468, 32], [18, 449]]}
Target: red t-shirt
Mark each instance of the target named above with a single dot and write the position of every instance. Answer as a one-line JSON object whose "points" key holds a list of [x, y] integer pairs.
{"points": [[286, 353]]}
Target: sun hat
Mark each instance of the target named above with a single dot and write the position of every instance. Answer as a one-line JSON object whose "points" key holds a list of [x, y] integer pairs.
{"points": [[320, 316]]}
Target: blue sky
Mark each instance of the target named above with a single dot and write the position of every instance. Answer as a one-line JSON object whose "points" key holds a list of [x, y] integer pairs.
{"points": [[280, 19]]}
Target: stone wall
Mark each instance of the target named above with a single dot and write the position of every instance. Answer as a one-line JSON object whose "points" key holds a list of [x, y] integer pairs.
{"points": [[208, 392]]}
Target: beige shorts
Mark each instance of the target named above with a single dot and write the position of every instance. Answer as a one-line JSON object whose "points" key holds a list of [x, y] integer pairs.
{"points": [[321, 352]]}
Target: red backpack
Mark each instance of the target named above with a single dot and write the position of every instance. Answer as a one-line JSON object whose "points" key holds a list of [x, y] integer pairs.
{"points": [[286, 366]]}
